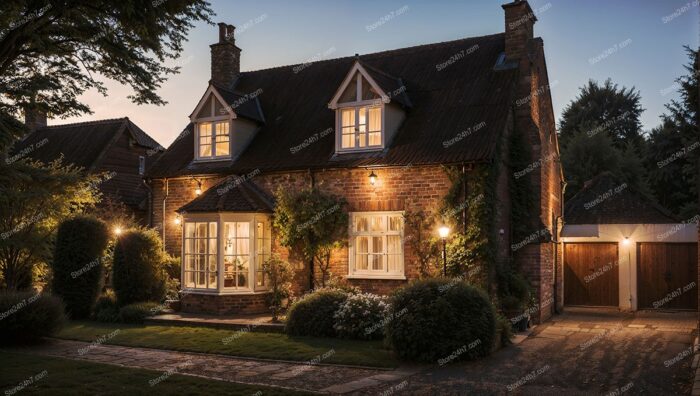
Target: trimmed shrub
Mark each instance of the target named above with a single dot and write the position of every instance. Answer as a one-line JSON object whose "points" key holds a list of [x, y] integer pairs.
{"points": [[361, 317], [172, 266], [506, 328], [138, 273], [106, 309], [441, 320], [136, 313], [312, 315], [78, 264], [28, 316]]}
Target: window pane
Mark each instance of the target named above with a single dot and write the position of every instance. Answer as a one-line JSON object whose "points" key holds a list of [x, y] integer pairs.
{"points": [[212, 281], [378, 223], [362, 139], [199, 262], [361, 262], [375, 139], [189, 230], [201, 246], [362, 244], [348, 117], [362, 115], [189, 279], [368, 93], [375, 119], [222, 149], [393, 244], [212, 246], [212, 263], [201, 279], [201, 230], [348, 140], [189, 262], [395, 223], [222, 129], [361, 223], [377, 244], [242, 230], [376, 262], [394, 262], [212, 230], [205, 150], [205, 129]]}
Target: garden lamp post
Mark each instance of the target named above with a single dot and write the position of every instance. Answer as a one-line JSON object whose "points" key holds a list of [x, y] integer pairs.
{"points": [[444, 231]]}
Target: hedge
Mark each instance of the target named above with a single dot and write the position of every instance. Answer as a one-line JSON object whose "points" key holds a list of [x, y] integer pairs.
{"points": [[138, 273]]}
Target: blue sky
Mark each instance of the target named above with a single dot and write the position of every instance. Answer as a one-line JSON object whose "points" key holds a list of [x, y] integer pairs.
{"points": [[649, 36]]}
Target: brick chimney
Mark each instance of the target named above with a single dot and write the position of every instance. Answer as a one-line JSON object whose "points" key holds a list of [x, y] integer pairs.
{"points": [[34, 118], [519, 28], [225, 57]]}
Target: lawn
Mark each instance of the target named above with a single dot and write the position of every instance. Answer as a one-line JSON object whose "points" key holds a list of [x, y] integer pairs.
{"points": [[235, 343], [55, 376]]}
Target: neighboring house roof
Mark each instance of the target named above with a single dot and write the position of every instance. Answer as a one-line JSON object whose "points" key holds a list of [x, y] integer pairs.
{"points": [[231, 195], [86, 144], [606, 200], [455, 96]]}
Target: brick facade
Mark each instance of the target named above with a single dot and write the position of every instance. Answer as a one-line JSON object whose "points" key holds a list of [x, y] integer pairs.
{"points": [[224, 304]]}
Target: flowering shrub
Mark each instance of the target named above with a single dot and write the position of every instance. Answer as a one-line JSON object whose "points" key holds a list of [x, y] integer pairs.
{"points": [[312, 314], [361, 316]]}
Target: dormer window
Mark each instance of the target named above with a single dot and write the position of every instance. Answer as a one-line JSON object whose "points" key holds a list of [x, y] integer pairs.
{"points": [[366, 117], [214, 139]]}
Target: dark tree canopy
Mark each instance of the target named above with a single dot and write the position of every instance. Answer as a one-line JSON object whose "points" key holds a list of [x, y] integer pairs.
{"points": [[51, 52], [604, 108]]}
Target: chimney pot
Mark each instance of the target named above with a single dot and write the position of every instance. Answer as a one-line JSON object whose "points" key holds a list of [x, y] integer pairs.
{"points": [[222, 32], [520, 21], [225, 58]]}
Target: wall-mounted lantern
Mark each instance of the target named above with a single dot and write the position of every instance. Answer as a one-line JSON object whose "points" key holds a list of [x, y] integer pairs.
{"points": [[372, 178]]}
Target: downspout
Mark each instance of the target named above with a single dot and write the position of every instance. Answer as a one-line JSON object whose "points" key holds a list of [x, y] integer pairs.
{"points": [[165, 198], [558, 243], [149, 204]]}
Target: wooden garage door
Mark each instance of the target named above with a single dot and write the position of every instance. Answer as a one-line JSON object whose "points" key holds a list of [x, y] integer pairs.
{"points": [[591, 274], [667, 275]]}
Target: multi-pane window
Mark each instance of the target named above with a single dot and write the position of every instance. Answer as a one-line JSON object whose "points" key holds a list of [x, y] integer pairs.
{"points": [[360, 115], [376, 244], [200, 255], [263, 243], [214, 139], [361, 127], [236, 255]]}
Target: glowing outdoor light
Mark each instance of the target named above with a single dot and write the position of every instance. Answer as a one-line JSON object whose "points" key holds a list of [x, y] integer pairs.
{"points": [[372, 178], [178, 220], [117, 230], [444, 231], [626, 241]]}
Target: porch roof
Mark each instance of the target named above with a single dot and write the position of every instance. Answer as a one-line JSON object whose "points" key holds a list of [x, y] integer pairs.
{"points": [[233, 194]]}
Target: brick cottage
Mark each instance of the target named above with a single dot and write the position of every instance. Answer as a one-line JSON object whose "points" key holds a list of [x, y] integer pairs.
{"points": [[402, 115]]}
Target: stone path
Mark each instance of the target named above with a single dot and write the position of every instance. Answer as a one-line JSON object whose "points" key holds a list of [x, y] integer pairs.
{"points": [[297, 376]]}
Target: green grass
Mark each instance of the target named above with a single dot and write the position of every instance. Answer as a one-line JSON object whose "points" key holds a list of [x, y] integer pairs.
{"points": [[246, 344], [55, 376]]}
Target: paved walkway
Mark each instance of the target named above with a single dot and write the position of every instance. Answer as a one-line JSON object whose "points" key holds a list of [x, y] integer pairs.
{"points": [[298, 376], [577, 353]]}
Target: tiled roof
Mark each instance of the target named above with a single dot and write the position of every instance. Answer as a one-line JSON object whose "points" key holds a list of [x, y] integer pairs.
{"points": [[606, 200], [231, 195], [84, 144], [465, 101], [244, 106]]}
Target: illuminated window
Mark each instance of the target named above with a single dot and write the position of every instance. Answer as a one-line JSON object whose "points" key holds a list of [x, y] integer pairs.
{"points": [[200, 255], [376, 244], [214, 139]]}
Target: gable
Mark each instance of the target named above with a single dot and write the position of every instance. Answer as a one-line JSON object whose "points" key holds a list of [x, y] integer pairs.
{"points": [[211, 105], [358, 86]]}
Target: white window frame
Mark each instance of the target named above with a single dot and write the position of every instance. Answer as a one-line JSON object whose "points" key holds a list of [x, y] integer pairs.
{"points": [[339, 127], [353, 272], [254, 259], [213, 121], [229, 116]]}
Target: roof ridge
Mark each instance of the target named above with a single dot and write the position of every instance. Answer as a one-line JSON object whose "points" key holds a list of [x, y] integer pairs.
{"points": [[93, 122], [384, 52]]}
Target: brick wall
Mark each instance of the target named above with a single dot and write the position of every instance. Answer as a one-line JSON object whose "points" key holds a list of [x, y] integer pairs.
{"points": [[407, 188], [225, 304]]}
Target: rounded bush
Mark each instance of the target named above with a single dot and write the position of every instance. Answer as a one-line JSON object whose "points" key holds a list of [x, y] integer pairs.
{"points": [[27, 316], [78, 264], [361, 316], [106, 309], [138, 273], [136, 313], [312, 315], [441, 320]]}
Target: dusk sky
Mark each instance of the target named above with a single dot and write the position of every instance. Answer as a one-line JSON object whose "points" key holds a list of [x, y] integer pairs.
{"points": [[635, 43]]}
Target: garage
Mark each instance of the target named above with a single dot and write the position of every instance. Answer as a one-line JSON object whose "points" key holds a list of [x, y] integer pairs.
{"points": [[591, 274], [620, 249], [667, 275]]}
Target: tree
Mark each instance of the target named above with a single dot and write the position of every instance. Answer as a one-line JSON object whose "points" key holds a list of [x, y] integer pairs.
{"points": [[279, 277], [584, 157], [34, 198], [604, 108], [52, 52], [138, 271], [676, 182], [312, 223]]}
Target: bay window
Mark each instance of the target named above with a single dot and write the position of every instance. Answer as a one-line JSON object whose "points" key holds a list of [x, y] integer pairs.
{"points": [[376, 245], [224, 253]]}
